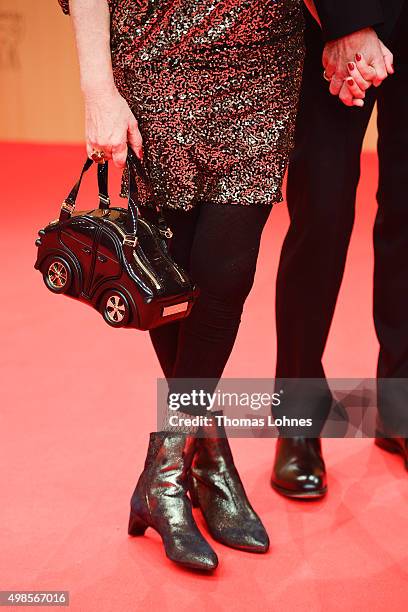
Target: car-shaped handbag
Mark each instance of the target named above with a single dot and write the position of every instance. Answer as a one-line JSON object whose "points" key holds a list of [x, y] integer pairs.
{"points": [[115, 259]]}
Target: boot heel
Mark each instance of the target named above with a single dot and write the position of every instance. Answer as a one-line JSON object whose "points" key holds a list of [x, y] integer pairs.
{"points": [[137, 526]]}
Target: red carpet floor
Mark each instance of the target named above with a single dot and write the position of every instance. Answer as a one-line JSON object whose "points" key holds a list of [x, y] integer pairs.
{"points": [[78, 401]]}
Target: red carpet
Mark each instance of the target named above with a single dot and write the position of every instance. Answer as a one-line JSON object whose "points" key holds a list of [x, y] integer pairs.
{"points": [[78, 401]]}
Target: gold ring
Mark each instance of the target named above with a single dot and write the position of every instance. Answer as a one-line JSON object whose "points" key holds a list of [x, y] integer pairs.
{"points": [[98, 156], [326, 78]]}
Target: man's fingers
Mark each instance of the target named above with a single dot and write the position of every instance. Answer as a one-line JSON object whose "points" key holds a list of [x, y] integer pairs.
{"points": [[381, 72], [345, 95], [329, 68], [388, 58], [367, 72], [389, 63], [336, 85], [356, 75]]}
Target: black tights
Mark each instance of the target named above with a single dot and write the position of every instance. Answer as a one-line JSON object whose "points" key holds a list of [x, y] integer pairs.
{"points": [[218, 245]]}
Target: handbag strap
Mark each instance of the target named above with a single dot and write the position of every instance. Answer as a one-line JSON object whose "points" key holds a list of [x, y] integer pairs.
{"points": [[133, 165], [104, 200], [68, 205]]}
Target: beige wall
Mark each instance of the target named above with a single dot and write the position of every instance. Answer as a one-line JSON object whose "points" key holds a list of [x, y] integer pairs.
{"points": [[40, 97]]}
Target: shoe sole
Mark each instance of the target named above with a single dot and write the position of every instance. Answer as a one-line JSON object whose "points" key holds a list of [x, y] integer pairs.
{"points": [[256, 551], [389, 445], [305, 496]]}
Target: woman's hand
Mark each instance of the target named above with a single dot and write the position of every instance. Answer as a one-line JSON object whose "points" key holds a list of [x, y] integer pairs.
{"points": [[361, 78], [110, 126]]}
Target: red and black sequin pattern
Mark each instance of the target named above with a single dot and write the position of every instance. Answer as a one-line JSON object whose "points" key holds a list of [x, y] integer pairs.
{"points": [[214, 85]]}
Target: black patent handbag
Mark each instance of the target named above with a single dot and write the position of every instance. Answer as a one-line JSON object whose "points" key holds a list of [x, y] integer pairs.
{"points": [[115, 259]]}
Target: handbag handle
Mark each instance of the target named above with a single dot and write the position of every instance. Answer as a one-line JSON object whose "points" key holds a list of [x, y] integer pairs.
{"points": [[68, 206], [133, 164]]}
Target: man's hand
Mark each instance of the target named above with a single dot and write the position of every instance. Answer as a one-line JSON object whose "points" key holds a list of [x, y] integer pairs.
{"points": [[355, 62]]}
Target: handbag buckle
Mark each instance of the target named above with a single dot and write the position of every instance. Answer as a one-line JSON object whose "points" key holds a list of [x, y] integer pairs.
{"points": [[105, 200], [68, 207], [130, 240], [167, 233]]}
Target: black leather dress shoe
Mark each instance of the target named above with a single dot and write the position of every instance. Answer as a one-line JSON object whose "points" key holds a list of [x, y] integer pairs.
{"points": [[397, 446], [299, 471]]}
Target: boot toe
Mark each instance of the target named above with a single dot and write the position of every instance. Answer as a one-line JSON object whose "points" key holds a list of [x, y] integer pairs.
{"points": [[303, 485], [312, 483], [198, 560], [192, 551], [256, 541], [251, 539]]}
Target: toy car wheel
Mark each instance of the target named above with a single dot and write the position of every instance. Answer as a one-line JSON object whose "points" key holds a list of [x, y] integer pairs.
{"points": [[57, 274], [115, 308]]}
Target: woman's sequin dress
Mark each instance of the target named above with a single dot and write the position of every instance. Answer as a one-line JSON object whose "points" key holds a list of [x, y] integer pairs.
{"points": [[214, 85]]}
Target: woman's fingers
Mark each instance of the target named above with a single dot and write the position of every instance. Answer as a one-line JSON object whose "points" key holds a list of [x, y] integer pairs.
{"points": [[119, 154], [367, 72], [110, 124], [358, 78], [350, 94], [354, 89], [362, 75], [117, 151], [93, 146], [135, 138]]}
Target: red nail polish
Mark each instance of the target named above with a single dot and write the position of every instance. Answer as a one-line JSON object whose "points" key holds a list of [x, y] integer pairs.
{"points": [[358, 57], [350, 82], [350, 66]]}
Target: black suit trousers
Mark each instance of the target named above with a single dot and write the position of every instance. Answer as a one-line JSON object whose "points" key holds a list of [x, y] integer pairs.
{"points": [[323, 176]]}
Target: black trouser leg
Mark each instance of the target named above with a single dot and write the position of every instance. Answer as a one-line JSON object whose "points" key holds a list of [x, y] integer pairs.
{"points": [[222, 259], [391, 244], [165, 337], [323, 175]]}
